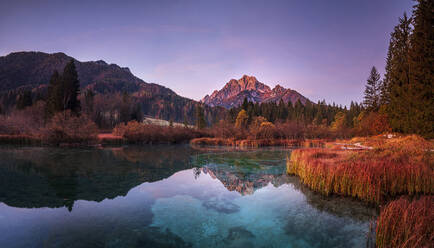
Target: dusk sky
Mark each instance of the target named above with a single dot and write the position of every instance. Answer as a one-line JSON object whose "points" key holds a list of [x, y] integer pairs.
{"points": [[322, 49]]}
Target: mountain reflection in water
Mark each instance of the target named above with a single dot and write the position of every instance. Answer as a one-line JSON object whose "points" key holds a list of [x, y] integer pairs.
{"points": [[166, 196]]}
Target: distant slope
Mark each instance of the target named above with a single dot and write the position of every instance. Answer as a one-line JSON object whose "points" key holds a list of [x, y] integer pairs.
{"points": [[35, 68], [32, 70], [234, 92]]}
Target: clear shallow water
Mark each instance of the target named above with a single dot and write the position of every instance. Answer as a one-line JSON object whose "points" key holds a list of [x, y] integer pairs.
{"points": [[167, 196]]}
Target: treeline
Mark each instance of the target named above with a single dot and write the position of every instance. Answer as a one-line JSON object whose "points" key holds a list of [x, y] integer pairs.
{"points": [[307, 114], [405, 95]]}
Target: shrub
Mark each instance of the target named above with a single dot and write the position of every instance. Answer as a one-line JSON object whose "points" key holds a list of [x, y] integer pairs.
{"points": [[66, 127], [136, 132], [28, 121]]}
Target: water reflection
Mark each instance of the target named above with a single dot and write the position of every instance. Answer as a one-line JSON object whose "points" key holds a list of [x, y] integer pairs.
{"points": [[166, 196], [52, 177]]}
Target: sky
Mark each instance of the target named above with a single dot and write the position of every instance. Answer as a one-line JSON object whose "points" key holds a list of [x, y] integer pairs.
{"points": [[323, 49]]}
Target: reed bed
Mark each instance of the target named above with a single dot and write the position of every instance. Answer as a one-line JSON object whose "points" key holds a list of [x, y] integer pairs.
{"points": [[406, 223], [245, 142], [374, 176]]}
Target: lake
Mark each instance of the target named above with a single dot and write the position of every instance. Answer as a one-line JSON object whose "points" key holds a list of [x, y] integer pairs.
{"points": [[167, 196]]}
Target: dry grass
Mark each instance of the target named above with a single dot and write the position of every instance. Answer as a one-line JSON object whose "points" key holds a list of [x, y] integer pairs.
{"points": [[397, 166], [110, 139], [213, 141], [405, 223], [245, 142]]}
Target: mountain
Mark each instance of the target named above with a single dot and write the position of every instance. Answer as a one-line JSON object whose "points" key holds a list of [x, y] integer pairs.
{"points": [[32, 71], [234, 92]]}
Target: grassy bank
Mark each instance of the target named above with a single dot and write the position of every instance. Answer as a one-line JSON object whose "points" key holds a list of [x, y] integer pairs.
{"points": [[257, 142], [406, 223], [376, 170], [398, 166]]}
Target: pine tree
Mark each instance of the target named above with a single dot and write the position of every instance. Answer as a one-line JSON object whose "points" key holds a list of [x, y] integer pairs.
{"points": [[385, 88], [185, 120], [125, 108], [421, 57], [54, 96], [70, 88], [245, 104], [89, 96], [24, 100], [398, 78], [372, 91], [200, 118], [282, 111]]}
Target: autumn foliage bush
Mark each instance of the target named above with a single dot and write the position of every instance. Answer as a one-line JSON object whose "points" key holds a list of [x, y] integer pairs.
{"points": [[406, 223], [66, 127], [136, 132], [28, 121]]}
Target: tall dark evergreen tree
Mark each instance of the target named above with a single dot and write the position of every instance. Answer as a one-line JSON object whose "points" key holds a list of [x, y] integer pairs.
{"points": [[245, 104], [125, 108], [421, 58], [71, 88], [89, 96], [384, 88], [24, 100], [54, 96], [399, 107], [372, 91], [200, 117]]}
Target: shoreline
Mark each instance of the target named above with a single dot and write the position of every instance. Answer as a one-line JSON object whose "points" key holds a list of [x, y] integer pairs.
{"points": [[392, 174]]}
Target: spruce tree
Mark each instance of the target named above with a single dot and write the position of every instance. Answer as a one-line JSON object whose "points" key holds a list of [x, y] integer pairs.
{"points": [[245, 104], [421, 58], [398, 78], [24, 100], [54, 102], [200, 118], [71, 88], [372, 91]]}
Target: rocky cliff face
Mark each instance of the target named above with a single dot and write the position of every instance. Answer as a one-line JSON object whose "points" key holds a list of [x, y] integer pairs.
{"points": [[234, 92]]}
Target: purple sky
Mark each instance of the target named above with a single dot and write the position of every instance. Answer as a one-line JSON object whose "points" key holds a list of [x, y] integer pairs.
{"points": [[323, 49]]}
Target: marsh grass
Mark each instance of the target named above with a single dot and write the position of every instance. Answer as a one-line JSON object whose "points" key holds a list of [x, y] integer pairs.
{"points": [[400, 166], [390, 168], [406, 223]]}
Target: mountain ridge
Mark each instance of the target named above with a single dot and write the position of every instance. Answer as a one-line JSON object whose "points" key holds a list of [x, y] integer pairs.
{"points": [[234, 92], [30, 70]]}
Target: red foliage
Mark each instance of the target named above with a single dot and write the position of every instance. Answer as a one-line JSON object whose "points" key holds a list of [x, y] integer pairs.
{"points": [[370, 175], [65, 127], [405, 223], [136, 132]]}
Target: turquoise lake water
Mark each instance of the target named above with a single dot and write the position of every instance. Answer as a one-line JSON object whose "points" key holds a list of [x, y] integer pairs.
{"points": [[167, 196]]}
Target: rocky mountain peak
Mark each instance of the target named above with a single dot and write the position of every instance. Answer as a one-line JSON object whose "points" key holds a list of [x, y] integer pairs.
{"points": [[234, 92]]}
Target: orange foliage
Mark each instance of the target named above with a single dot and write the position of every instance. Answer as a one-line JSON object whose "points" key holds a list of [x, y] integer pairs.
{"points": [[370, 175], [405, 223], [371, 123]]}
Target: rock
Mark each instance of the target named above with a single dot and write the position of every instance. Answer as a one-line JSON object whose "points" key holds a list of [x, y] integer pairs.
{"points": [[234, 92]]}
